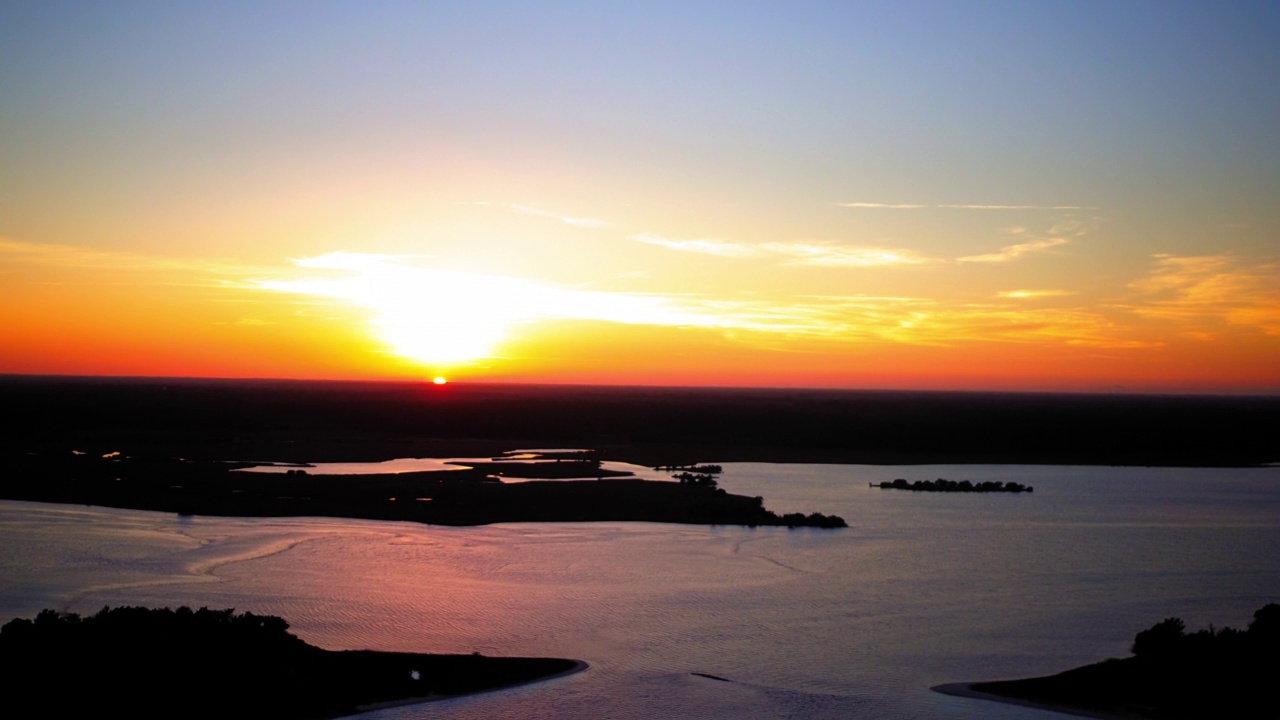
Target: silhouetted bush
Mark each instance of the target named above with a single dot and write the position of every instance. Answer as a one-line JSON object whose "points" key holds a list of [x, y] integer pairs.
{"points": [[1160, 639]]}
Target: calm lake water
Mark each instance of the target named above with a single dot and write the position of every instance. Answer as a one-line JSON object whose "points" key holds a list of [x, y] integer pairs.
{"points": [[922, 589]]}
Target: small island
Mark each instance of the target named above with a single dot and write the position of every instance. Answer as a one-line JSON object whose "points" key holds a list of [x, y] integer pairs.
{"points": [[162, 663], [951, 486], [564, 490], [1172, 675]]}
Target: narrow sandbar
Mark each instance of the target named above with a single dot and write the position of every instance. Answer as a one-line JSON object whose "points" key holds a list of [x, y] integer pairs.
{"points": [[579, 666], [966, 690]]}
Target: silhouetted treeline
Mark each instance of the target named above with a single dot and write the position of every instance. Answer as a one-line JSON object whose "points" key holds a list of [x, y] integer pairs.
{"points": [[692, 467], [699, 479], [148, 663], [1168, 644], [817, 520], [944, 485], [1173, 674]]}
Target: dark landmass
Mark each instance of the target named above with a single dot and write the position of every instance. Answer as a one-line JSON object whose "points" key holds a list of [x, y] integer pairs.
{"points": [[143, 663], [467, 496], [555, 469], [951, 486], [1173, 675], [697, 479], [348, 421]]}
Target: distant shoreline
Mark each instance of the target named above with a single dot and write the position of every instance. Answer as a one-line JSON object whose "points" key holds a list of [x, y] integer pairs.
{"points": [[317, 421]]}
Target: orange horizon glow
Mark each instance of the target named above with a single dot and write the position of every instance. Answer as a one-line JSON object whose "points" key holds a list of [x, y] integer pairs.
{"points": [[330, 319]]}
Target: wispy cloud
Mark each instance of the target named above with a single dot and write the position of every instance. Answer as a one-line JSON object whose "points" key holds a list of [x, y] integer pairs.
{"points": [[833, 255], [1197, 277], [1061, 233], [114, 267], [980, 323], [1206, 294], [883, 206], [1013, 252], [812, 254], [1031, 294], [584, 222], [719, 248], [1018, 207], [932, 322], [956, 206]]}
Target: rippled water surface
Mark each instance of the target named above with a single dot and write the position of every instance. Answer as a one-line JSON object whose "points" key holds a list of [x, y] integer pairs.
{"points": [[923, 589]]}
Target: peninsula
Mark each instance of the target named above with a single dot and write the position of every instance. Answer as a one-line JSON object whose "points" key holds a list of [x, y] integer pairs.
{"points": [[470, 495], [1172, 675], [162, 663]]}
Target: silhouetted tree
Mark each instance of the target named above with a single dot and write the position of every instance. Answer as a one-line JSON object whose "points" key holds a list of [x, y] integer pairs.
{"points": [[1159, 640], [1266, 623]]}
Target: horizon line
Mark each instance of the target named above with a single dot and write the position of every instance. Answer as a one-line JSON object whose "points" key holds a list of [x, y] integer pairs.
{"points": [[427, 381]]}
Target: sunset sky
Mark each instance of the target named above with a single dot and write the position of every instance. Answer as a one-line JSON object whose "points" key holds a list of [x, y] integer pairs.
{"points": [[949, 195]]}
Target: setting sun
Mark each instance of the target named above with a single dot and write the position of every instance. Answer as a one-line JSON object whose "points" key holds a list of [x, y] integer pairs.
{"points": [[449, 319]]}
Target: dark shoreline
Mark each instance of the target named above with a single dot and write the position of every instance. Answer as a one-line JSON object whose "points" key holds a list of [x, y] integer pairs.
{"points": [[1171, 675], [315, 421], [466, 496], [215, 663], [179, 434], [966, 690]]}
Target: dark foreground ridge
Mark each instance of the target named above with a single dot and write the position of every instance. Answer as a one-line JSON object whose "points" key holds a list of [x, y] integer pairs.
{"points": [[467, 496], [143, 663], [1173, 675]]}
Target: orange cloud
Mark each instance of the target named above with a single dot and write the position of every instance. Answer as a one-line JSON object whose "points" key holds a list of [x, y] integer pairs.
{"points": [[1201, 292], [107, 265], [1013, 252]]}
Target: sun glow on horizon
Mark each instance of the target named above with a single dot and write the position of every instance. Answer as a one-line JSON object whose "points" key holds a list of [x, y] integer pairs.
{"points": [[446, 318], [431, 316], [498, 326], [350, 315]]}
